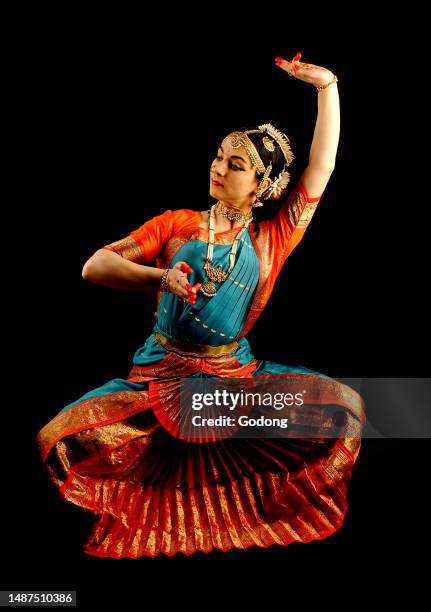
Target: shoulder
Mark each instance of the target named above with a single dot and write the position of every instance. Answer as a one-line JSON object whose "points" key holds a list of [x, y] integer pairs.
{"points": [[185, 218], [175, 219], [186, 214], [170, 222]]}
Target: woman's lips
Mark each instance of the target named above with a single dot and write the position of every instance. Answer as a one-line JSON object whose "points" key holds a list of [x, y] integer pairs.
{"points": [[216, 183]]}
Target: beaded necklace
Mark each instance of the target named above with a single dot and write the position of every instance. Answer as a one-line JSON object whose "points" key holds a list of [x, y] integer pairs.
{"points": [[217, 275]]}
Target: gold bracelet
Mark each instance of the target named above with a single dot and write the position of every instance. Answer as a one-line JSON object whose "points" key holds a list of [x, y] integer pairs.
{"points": [[320, 87], [164, 284]]}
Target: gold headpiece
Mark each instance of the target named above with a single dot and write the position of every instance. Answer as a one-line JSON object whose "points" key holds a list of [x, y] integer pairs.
{"points": [[281, 139], [241, 139], [268, 144]]}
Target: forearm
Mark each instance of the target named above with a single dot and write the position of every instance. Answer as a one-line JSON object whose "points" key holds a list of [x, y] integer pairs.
{"points": [[110, 269], [327, 130]]}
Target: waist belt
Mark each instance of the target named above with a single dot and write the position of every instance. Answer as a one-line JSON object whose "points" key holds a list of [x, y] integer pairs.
{"points": [[196, 350]]}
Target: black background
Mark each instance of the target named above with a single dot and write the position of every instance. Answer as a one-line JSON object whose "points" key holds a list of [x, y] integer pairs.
{"points": [[117, 120]]}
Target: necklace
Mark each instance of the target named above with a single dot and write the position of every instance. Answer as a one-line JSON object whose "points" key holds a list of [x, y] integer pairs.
{"points": [[217, 275], [233, 214]]}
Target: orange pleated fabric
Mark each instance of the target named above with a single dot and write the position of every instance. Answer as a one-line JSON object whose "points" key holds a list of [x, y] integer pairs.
{"points": [[154, 493]]}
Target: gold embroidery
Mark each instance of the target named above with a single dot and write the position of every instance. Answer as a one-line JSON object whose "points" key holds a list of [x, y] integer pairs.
{"points": [[299, 212], [307, 214], [240, 285], [201, 350], [265, 254], [338, 465], [206, 326], [224, 238], [128, 248], [89, 412]]}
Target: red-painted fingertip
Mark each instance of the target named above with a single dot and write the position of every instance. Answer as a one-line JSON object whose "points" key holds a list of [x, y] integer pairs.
{"points": [[297, 57], [279, 61]]}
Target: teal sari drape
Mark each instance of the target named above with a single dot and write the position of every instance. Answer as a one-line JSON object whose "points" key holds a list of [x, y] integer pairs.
{"points": [[219, 319]]}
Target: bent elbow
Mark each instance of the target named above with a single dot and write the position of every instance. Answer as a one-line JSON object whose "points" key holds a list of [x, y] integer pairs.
{"points": [[89, 265], [95, 265], [86, 271]]}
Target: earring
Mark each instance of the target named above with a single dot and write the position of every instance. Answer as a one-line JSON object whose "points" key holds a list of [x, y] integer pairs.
{"points": [[261, 189], [259, 192], [257, 202]]}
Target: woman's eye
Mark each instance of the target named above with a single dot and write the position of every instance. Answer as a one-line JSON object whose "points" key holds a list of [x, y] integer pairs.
{"points": [[219, 157]]}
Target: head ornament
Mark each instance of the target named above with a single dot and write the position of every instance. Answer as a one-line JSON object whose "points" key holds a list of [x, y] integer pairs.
{"points": [[241, 139]]}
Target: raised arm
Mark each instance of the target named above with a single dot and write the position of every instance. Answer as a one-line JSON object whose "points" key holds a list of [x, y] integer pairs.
{"points": [[297, 207], [324, 146]]}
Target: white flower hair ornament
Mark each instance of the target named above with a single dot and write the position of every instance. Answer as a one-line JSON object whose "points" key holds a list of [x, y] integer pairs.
{"points": [[278, 186]]}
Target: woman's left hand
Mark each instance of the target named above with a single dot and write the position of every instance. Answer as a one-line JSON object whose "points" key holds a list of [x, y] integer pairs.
{"points": [[310, 73]]}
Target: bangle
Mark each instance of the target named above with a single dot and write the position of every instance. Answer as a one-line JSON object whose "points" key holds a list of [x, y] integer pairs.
{"points": [[320, 87], [164, 284]]}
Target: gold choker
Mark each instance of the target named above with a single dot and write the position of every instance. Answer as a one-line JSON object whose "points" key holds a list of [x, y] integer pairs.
{"points": [[233, 214]]}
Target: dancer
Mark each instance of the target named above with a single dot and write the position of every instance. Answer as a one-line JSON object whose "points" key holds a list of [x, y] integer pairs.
{"points": [[118, 451]]}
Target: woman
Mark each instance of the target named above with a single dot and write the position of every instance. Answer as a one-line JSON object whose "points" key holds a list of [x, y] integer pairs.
{"points": [[118, 451]]}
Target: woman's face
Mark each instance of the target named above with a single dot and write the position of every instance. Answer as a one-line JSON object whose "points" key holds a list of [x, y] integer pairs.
{"points": [[232, 177]]}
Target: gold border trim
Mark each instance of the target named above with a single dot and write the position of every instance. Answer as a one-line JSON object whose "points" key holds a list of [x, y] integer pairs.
{"points": [[197, 350]]}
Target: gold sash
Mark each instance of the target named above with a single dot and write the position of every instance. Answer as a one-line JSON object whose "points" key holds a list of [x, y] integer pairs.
{"points": [[196, 350]]}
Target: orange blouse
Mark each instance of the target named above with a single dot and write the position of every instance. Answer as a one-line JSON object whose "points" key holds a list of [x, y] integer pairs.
{"points": [[158, 239]]}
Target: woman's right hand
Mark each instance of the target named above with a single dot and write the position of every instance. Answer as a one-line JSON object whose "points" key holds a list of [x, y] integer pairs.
{"points": [[178, 283]]}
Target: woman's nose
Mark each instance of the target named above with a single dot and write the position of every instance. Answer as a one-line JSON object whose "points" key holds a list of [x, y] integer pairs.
{"points": [[220, 169]]}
